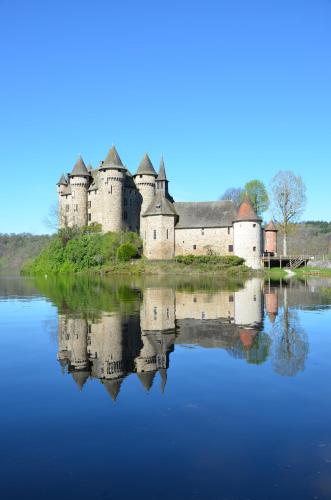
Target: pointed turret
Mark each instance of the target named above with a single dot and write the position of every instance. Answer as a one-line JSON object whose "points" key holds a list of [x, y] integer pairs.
{"points": [[80, 377], [80, 169], [112, 159], [162, 174], [113, 387], [146, 378], [246, 211], [63, 181], [163, 375], [146, 167]]}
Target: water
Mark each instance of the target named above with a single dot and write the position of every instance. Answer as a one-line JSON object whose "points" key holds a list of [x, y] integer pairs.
{"points": [[140, 389]]}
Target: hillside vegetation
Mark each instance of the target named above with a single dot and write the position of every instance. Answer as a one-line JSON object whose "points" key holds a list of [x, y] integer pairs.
{"points": [[16, 249], [308, 238]]}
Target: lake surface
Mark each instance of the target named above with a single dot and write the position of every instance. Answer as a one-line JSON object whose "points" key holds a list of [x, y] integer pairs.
{"points": [[158, 389]]}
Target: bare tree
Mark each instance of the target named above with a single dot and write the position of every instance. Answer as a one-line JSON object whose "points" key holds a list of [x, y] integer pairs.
{"points": [[233, 194], [288, 200], [51, 221]]}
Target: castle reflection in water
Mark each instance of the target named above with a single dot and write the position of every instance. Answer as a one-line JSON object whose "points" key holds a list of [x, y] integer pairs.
{"points": [[114, 345]]}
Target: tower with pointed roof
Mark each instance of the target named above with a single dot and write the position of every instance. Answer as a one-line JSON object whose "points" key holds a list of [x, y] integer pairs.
{"points": [[144, 180], [247, 235], [160, 218], [270, 238], [79, 183], [111, 191]]}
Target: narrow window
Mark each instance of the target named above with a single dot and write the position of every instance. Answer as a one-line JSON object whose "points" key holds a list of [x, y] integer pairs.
{"points": [[167, 234], [230, 298], [89, 217], [89, 204], [203, 315], [254, 225], [254, 249], [228, 230], [202, 231], [194, 247], [154, 234], [230, 248]]}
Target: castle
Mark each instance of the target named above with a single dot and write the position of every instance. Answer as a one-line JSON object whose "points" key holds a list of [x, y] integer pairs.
{"points": [[111, 196]]}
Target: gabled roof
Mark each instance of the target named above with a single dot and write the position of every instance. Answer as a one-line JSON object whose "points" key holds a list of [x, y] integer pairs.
{"points": [[246, 212], [162, 174], [146, 166], [271, 226], [112, 159], [205, 214], [80, 168], [160, 205], [63, 181]]}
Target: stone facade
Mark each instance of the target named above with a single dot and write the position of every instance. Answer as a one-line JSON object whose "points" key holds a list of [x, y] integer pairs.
{"points": [[110, 196]]}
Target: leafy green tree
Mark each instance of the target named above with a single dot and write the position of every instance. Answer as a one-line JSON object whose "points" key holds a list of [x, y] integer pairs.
{"points": [[257, 193]]}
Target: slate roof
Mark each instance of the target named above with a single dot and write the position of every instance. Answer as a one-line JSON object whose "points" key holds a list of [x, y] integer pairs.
{"points": [[63, 181], [162, 174], [80, 168], [205, 214], [146, 166], [112, 159], [246, 212], [146, 378], [160, 205]]}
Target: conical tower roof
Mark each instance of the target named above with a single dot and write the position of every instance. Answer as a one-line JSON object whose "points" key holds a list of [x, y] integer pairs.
{"points": [[162, 174], [80, 377], [160, 205], [113, 387], [63, 181], [80, 168], [271, 226], [163, 375], [246, 212], [146, 378], [112, 159], [146, 167]]}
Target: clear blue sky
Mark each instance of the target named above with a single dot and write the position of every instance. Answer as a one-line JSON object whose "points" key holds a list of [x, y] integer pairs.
{"points": [[227, 90]]}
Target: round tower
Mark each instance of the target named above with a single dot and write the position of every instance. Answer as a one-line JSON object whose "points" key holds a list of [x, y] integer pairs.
{"points": [[111, 176], [270, 238], [145, 182], [62, 187], [247, 235], [79, 183]]}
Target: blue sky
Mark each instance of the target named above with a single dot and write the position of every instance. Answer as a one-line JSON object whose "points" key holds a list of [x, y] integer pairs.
{"points": [[226, 90]]}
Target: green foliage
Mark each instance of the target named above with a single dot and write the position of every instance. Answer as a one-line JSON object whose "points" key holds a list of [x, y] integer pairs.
{"points": [[257, 193], [126, 252], [224, 261], [74, 250]]}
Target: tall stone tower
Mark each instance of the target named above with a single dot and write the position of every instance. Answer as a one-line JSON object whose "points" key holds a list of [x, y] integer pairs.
{"points": [[62, 187], [112, 174], [159, 224], [247, 235], [270, 238], [145, 182], [79, 183]]}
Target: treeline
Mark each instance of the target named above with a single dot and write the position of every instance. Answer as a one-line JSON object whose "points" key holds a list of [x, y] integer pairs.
{"points": [[16, 249], [308, 238]]}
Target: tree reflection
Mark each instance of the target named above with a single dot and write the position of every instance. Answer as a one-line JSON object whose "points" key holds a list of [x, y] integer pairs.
{"points": [[290, 343]]}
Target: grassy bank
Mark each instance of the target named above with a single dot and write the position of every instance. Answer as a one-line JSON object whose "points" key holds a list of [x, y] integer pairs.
{"points": [[305, 272], [87, 250]]}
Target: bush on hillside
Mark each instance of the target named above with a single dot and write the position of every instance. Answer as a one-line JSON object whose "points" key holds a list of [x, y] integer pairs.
{"points": [[126, 252], [220, 260]]}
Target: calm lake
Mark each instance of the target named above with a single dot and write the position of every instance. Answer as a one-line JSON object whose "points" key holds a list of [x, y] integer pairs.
{"points": [[149, 389]]}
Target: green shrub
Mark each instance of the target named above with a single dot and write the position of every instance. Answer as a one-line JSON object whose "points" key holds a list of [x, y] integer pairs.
{"points": [[126, 252], [219, 260]]}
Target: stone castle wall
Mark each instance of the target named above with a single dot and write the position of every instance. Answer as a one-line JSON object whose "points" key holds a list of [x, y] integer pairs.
{"points": [[159, 237], [202, 241]]}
